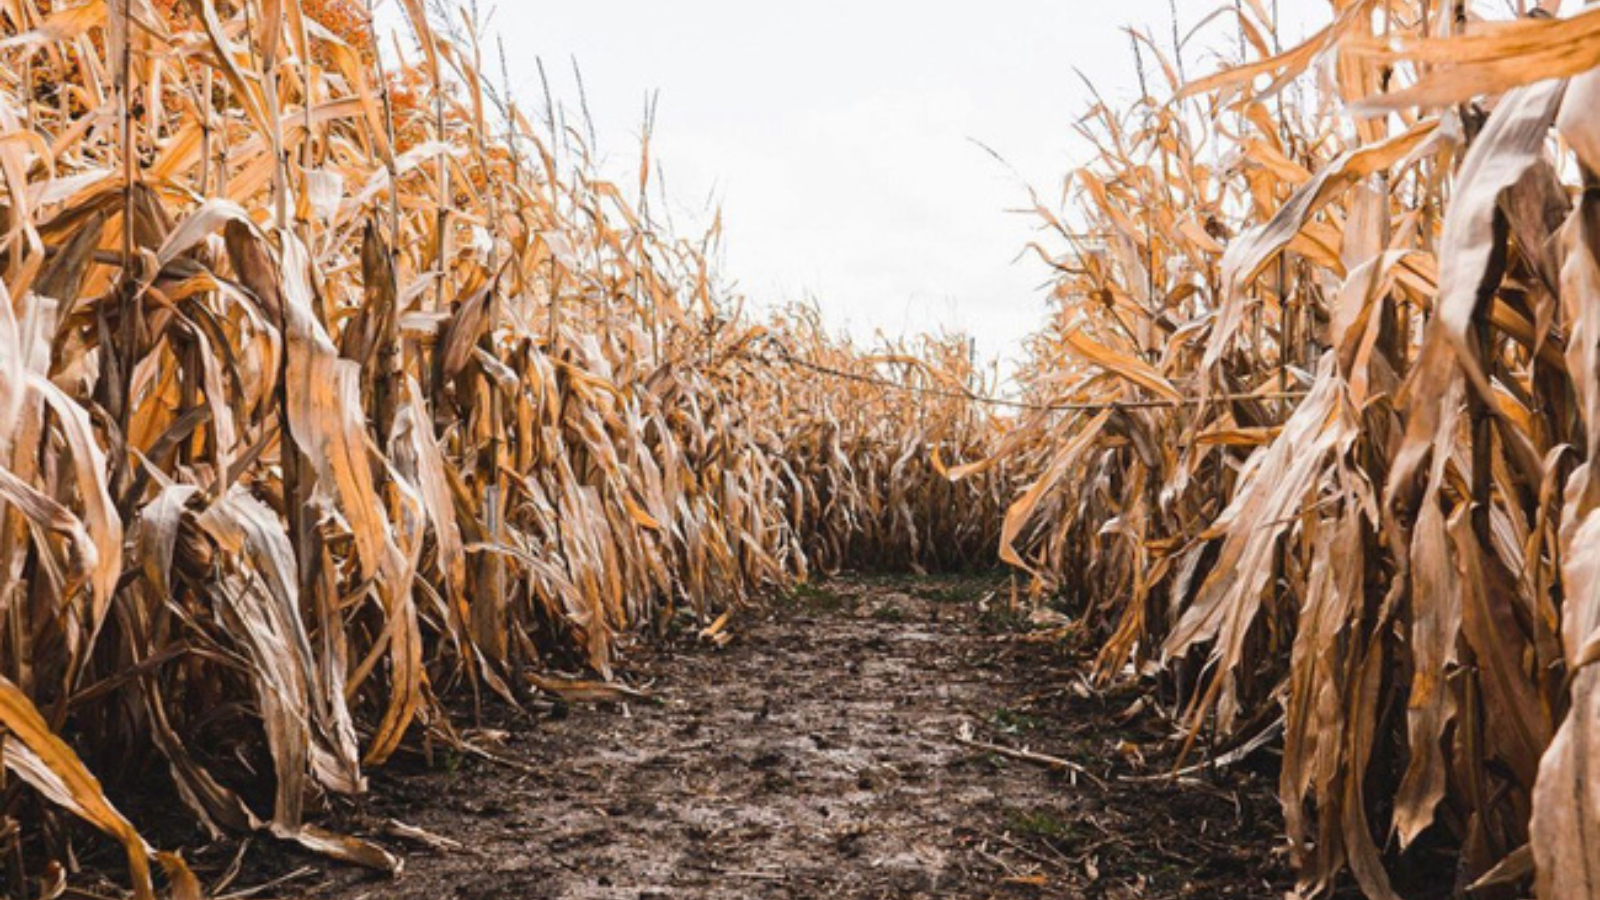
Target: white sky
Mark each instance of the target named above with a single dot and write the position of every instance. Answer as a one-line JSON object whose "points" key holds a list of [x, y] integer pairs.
{"points": [[837, 135]]}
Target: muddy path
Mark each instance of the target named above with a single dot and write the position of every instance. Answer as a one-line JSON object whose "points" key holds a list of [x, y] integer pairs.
{"points": [[817, 754]]}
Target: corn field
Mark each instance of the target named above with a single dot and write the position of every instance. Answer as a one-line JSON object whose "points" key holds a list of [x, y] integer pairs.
{"points": [[338, 399], [324, 397], [1333, 314]]}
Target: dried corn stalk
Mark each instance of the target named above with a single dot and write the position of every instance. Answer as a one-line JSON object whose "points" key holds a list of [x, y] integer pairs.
{"points": [[325, 391], [1372, 513]]}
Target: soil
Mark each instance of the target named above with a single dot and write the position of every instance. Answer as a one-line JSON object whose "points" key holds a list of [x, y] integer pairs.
{"points": [[818, 754]]}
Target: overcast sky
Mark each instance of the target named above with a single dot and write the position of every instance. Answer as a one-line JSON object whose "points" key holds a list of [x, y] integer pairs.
{"points": [[838, 136]]}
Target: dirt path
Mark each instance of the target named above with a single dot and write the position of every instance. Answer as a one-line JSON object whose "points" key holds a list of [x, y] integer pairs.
{"points": [[816, 755]]}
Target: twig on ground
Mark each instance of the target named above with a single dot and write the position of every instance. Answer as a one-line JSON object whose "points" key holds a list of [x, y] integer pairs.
{"points": [[301, 872], [1232, 757], [435, 842], [964, 737]]}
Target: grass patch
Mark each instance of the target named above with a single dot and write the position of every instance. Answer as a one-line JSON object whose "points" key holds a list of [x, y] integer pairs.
{"points": [[1013, 722], [999, 620], [946, 593], [1042, 823], [809, 595], [889, 612]]}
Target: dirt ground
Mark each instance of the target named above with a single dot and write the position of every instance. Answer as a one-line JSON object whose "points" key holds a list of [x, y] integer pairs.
{"points": [[819, 754]]}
